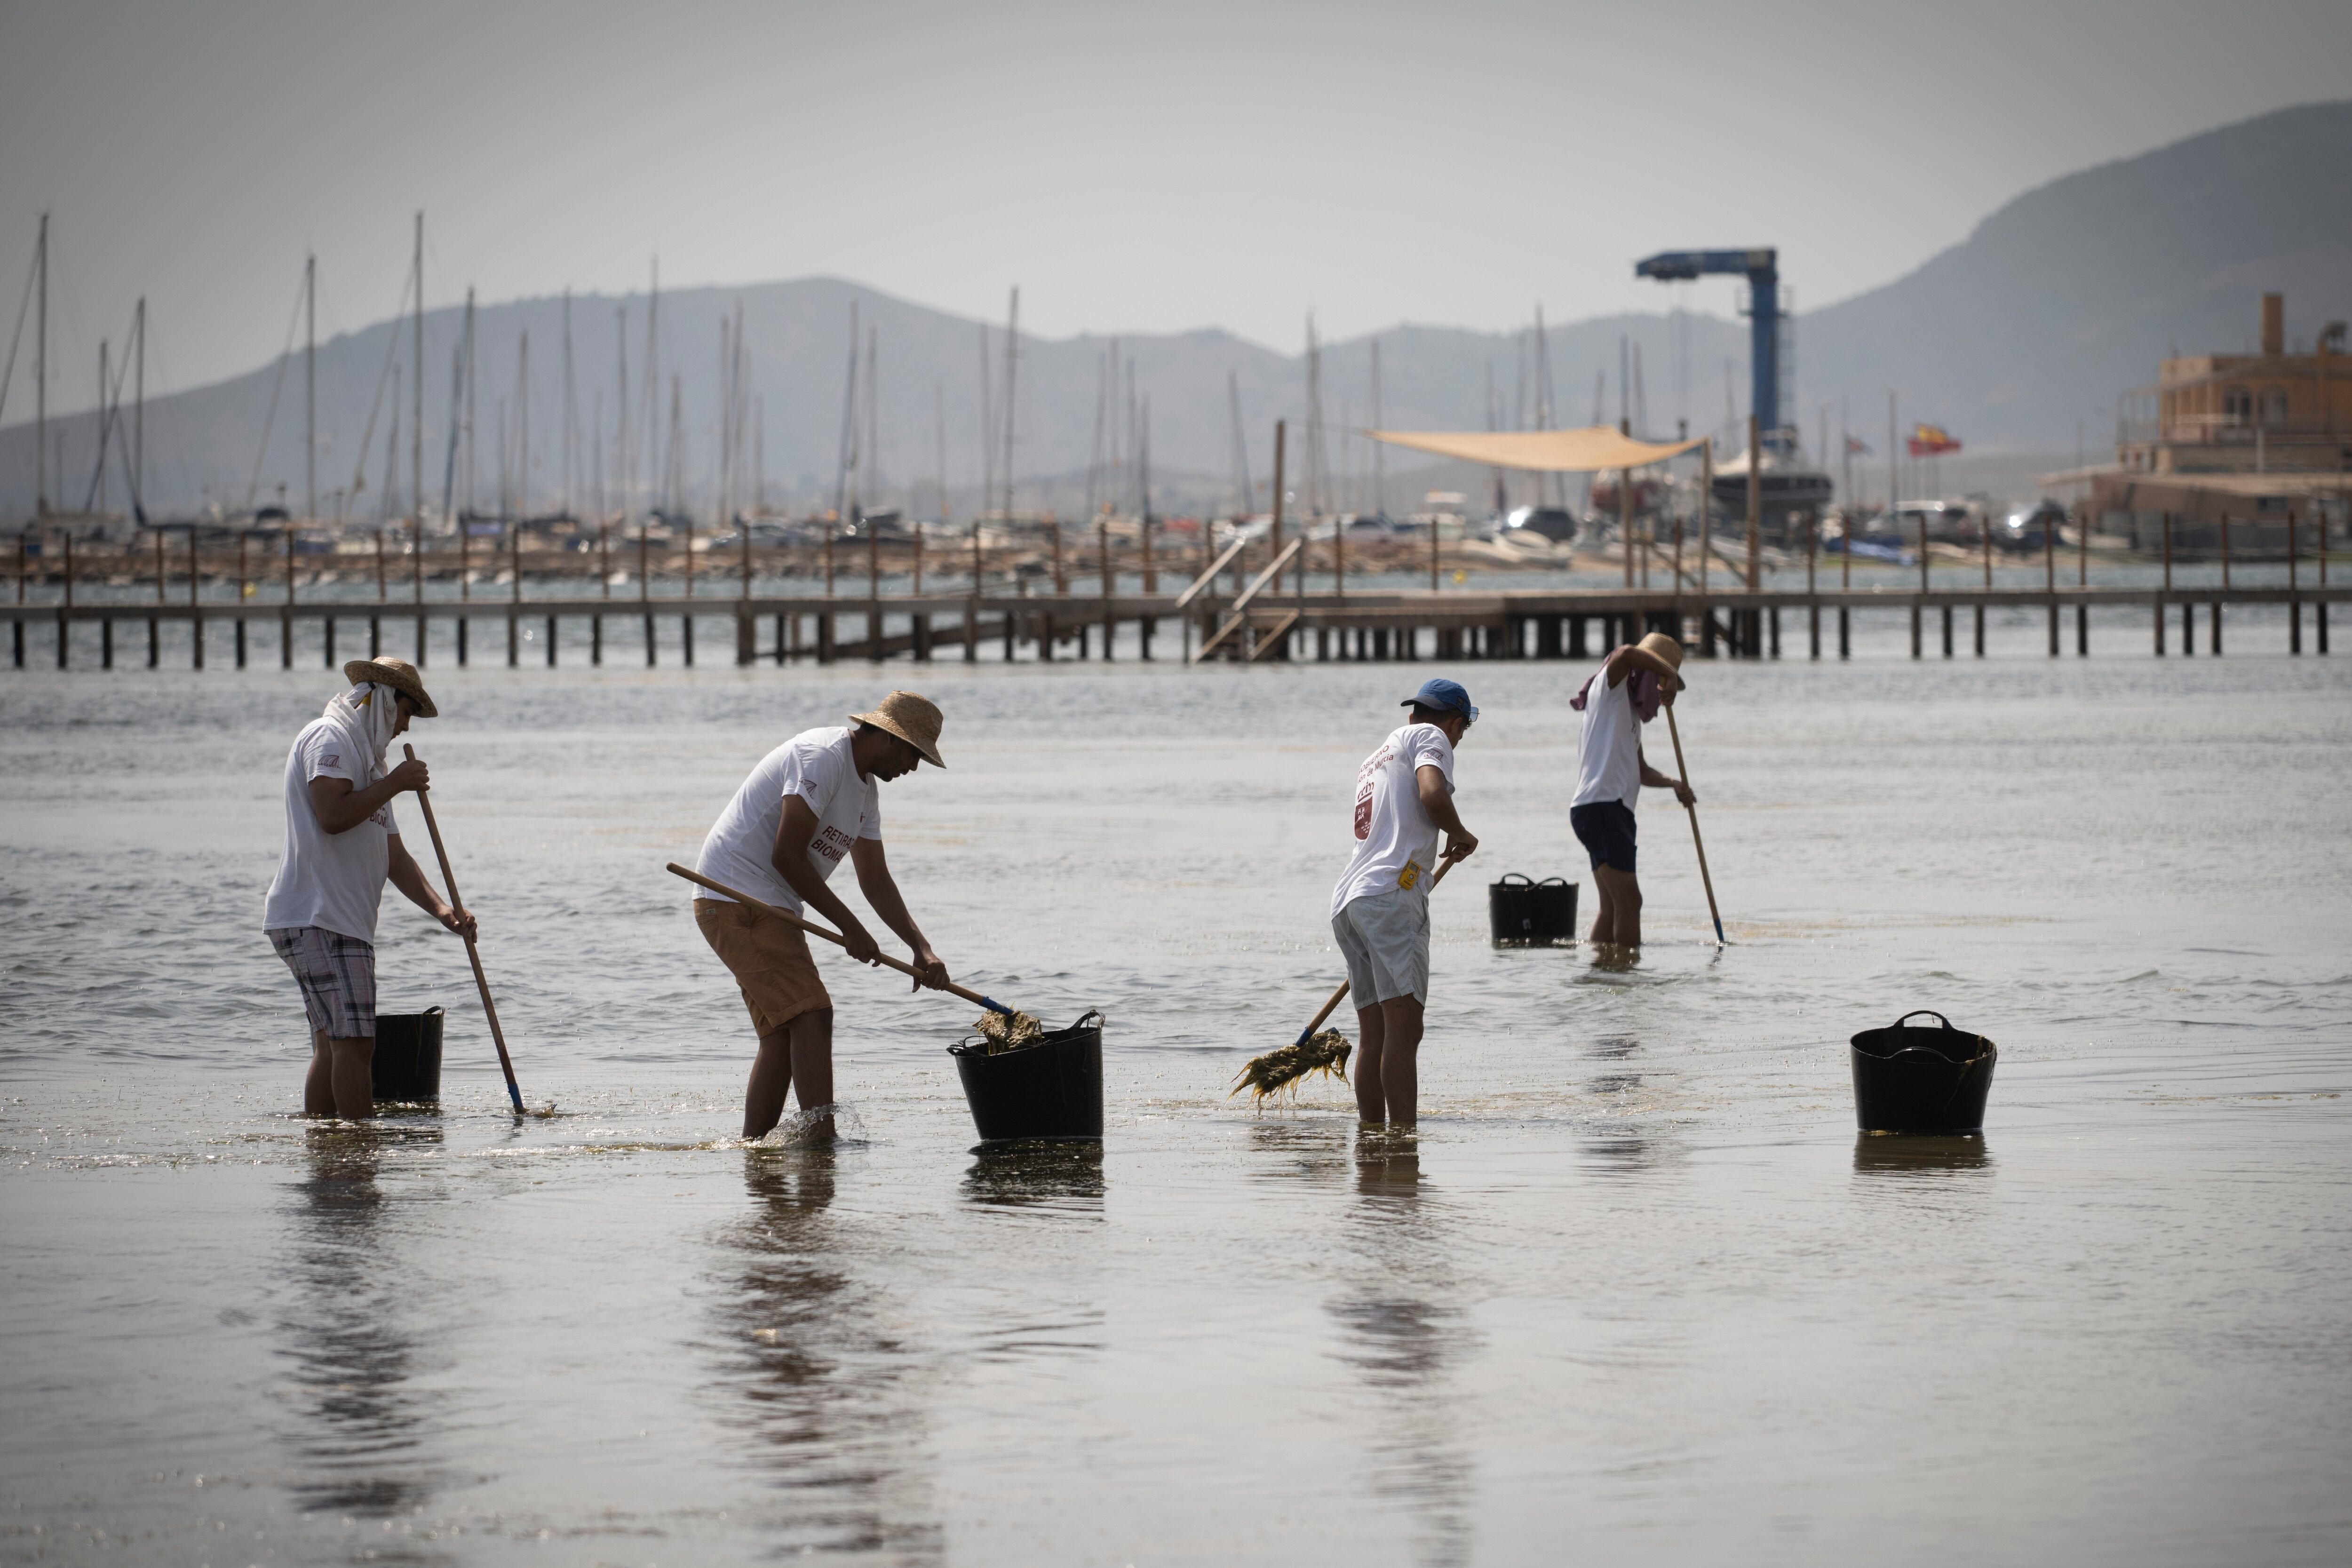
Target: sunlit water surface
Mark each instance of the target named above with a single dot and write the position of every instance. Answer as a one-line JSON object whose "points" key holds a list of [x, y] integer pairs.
{"points": [[1637, 1292]]}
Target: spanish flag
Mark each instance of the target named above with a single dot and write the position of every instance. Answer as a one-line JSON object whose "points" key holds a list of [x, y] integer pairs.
{"points": [[1932, 441]]}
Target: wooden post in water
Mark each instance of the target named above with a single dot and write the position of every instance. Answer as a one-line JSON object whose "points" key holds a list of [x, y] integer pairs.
{"points": [[644, 590], [972, 604], [1813, 604], [196, 610], [2294, 586], [873, 593], [1102, 552], [2213, 640], [242, 578], [1919, 605], [514, 593], [65, 616], [2049, 577], [286, 619]]}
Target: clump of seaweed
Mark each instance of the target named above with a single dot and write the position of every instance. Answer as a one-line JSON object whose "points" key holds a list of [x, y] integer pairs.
{"points": [[1009, 1032], [1277, 1071]]}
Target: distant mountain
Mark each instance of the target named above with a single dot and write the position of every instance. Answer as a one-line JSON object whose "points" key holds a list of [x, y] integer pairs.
{"points": [[2070, 295], [206, 445], [2057, 303]]}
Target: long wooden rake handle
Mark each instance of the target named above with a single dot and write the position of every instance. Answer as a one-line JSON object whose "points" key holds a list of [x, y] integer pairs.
{"points": [[901, 965], [1307, 1033], [1683, 771], [481, 980]]}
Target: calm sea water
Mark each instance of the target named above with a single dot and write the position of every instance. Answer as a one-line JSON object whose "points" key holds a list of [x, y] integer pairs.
{"points": [[1636, 1293]]}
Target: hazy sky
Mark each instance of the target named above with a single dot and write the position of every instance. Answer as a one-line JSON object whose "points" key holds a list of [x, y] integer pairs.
{"points": [[1133, 168]]}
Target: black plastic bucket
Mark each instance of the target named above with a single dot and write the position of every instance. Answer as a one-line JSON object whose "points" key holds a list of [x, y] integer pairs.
{"points": [[1910, 1079], [408, 1055], [1524, 914], [1052, 1090]]}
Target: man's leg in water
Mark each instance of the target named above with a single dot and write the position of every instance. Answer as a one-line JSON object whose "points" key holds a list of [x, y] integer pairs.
{"points": [[1605, 912], [1371, 1099], [1399, 1063], [797, 1054], [1621, 906], [341, 1080], [319, 1083]]}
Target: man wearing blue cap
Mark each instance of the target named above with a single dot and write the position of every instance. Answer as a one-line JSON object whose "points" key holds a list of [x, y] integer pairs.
{"points": [[1380, 910]]}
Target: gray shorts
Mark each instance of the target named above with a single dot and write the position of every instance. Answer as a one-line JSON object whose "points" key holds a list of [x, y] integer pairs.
{"points": [[1385, 939]]}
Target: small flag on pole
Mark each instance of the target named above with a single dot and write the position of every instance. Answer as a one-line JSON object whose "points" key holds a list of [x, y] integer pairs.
{"points": [[1932, 441]]}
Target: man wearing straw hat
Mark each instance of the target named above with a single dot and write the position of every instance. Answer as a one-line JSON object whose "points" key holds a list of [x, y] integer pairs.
{"points": [[1616, 701], [342, 845], [1380, 908], [811, 801]]}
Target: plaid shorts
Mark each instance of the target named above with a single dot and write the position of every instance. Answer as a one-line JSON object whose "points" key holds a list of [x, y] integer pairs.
{"points": [[337, 975]]}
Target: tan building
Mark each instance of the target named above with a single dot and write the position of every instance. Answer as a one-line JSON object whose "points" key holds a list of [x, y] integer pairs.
{"points": [[2254, 437]]}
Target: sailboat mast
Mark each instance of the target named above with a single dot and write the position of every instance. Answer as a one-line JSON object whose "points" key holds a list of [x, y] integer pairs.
{"points": [[1379, 466], [41, 378], [473, 375], [138, 420], [1011, 357], [309, 387], [416, 410]]}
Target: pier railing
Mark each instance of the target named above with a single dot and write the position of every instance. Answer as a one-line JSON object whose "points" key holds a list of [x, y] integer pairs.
{"points": [[880, 599]]}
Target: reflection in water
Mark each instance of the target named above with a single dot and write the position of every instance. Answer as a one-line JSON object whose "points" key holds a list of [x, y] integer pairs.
{"points": [[1314, 1151], [1057, 1175], [822, 1379], [359, 1450], [1614, 1048], [1404, 1339], [1918, 1153]]}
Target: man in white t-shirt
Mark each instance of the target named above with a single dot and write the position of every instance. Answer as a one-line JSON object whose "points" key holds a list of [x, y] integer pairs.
{"points": [[1380, 909], [1616, 701], [810, 802], [342, 845]]}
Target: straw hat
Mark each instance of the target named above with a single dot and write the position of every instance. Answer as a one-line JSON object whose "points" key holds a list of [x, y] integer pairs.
{"points": [[1665, 648], [913, 718], [397, 673]]}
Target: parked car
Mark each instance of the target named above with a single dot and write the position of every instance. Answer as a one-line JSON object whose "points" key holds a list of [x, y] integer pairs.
{"points": [[2032, 528], [1554, 523]]}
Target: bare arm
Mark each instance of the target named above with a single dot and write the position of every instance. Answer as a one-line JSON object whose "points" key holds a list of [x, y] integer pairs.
{"points": [[794, 832], [1629, 659], [1429, 783], [875, 882], [340, 807], [1656, 780], [409, 878]]}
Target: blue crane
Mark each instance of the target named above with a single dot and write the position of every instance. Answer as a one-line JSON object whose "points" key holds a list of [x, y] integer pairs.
{"points": [[1760, 267]]}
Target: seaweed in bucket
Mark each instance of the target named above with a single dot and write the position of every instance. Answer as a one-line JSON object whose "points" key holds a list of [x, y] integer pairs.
{"points": [[1009, 1031]]}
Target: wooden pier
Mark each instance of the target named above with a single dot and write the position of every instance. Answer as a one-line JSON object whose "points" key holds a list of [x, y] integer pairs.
{"points": [[1315, 627]]}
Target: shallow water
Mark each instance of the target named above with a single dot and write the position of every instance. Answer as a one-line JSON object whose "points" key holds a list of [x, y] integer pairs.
{"points": [[1636, 1292]]}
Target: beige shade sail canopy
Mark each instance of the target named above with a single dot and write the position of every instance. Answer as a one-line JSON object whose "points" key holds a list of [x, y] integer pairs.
{"points": [[1585, 451]]}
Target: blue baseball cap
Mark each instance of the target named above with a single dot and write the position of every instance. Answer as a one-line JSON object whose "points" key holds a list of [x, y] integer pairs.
{"points": [[1443, 695]]}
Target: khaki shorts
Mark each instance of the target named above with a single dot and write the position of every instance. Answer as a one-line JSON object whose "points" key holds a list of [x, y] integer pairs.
{"points": [[769, 959]]}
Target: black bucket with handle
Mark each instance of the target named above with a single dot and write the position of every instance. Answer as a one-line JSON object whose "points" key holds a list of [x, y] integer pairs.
{"points": [[1522, 912], [1917, 1079], [407, 1065], [1052, 1090]]}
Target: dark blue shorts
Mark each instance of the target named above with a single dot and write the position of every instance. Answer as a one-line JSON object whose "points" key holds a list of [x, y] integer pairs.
{"points": [[1605, 828]]}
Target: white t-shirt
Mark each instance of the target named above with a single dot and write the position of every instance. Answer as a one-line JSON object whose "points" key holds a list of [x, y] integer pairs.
{"points": [[816, 765], [1609, 751], [1396, 844], [332, 880]]}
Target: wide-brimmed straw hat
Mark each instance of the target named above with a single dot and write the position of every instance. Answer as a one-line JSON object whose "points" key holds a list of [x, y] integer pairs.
{"points": [[397, 673], [913, 718], [1665, 648]]}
